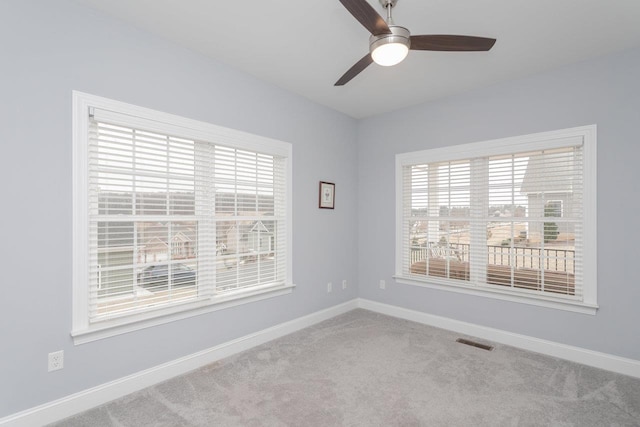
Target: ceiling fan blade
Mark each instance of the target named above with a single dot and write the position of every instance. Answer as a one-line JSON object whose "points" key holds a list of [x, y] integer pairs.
{"points": [[367, 16], [355, 70], [443, 42]]}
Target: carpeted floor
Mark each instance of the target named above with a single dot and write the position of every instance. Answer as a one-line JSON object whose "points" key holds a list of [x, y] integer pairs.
{"points": [[366, 369]]}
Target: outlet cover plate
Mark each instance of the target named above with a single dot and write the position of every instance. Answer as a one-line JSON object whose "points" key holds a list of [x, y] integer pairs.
{"points": [[56, 360]]}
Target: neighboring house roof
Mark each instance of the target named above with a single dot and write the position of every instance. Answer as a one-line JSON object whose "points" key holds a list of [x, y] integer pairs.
{"points": [[180, 236], [260, 227], [557, 169], [154, 243]]}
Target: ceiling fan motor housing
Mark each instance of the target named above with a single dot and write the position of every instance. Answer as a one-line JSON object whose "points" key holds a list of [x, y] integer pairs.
{"points": [[398, 35]]}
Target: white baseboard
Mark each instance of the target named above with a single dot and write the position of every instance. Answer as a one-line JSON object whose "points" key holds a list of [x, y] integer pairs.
{"points": [[596, 359], [90, 398]]}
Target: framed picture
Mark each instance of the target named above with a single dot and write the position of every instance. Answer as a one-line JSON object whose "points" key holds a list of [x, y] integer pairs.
{"points": [[327, 198]]}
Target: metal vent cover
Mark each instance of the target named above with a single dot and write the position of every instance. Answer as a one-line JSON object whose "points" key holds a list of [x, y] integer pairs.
{"points": [[475, 344]]}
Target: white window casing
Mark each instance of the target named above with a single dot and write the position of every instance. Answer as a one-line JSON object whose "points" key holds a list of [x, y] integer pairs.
{"points": [[512, 219], [172, 217]]}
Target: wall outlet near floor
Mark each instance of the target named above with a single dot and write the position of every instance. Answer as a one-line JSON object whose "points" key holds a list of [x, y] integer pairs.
{"points": [[56, 360], [383, 284], [329, 287], [344, 284]]}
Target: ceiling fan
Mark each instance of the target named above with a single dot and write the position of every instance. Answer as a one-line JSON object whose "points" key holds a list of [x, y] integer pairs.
{"points": [[389, 44]]}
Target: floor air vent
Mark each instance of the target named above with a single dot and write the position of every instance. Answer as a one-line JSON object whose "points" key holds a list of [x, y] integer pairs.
{"points": [[475, 344]]}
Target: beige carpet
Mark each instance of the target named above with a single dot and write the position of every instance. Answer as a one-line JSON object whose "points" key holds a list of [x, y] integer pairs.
{"points": [[366, 369]]}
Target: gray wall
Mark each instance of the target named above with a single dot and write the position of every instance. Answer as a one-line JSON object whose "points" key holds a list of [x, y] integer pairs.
{"points": [[47, 49], [604, 91]]}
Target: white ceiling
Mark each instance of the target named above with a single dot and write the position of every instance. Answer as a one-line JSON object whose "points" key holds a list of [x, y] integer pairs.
{"points": [[304, 46]]}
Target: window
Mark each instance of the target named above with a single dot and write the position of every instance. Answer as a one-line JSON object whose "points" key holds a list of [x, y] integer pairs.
{"points": [[553, 208], [511, 219], [172, 217]]}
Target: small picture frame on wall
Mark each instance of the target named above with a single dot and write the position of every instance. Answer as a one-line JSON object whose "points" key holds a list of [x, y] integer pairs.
{"points": [[327, 195]]}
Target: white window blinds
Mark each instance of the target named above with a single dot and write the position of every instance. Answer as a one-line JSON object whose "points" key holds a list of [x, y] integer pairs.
{"points": [[174, 219], [508, 222]]}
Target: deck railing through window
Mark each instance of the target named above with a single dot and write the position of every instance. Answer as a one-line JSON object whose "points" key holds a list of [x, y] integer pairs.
{"points": [[523, 257]]}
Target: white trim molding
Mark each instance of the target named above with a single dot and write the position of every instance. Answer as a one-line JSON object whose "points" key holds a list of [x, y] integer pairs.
{"points": [[95, 396], [502, 294], [609, 362], [122, 326]]}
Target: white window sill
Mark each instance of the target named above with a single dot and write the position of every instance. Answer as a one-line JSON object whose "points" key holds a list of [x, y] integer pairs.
{"points": [[521, 297], [113, 327]]}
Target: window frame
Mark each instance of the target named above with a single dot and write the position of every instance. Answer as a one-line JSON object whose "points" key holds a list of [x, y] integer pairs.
{"points": [[511, 145], [82, 329]]}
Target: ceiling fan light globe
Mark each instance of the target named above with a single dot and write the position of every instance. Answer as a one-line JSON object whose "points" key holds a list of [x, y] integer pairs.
{"points": [[390, 49], [390, 54]]}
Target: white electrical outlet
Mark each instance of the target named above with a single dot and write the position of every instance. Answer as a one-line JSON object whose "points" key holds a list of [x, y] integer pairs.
{"points": [[329, 287], [56, 360], [383, 284], [344, 284]]}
